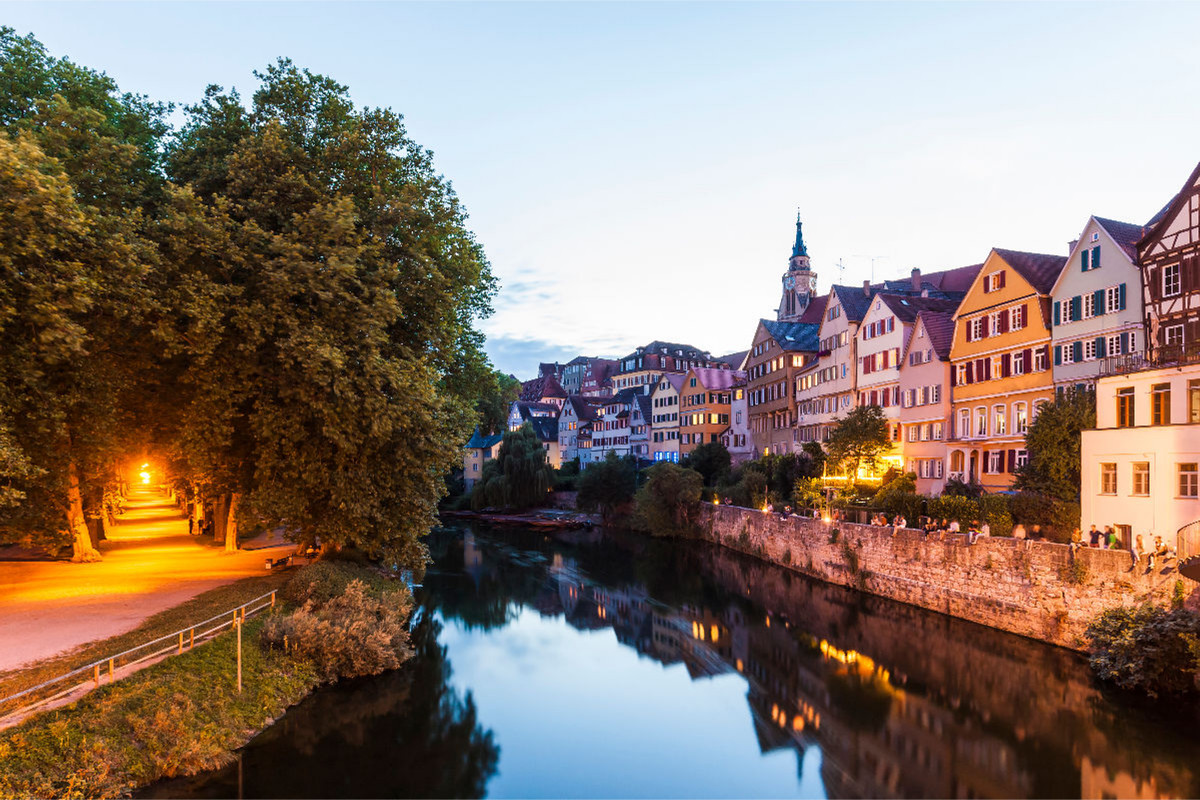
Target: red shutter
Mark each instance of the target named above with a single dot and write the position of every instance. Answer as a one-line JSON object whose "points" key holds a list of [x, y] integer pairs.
{"points": [[1012, 461], [954, 375], [1155, 286], [984, 324], [984, 465], [1005, 365], [1000, 275], [1003, 322], [1025, 315], [885, 360], [1027, 357], [970, 372]]}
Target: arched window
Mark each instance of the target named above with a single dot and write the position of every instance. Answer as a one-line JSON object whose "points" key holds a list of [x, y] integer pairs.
{"points": [[956, 461]]}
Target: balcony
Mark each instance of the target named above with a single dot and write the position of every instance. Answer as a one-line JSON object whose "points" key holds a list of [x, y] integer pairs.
{"points": [[1175, 355]]}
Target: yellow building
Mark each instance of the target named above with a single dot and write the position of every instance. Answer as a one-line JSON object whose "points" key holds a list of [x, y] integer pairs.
{"points": [[1000, 365], [477, 451], [704, 405]]}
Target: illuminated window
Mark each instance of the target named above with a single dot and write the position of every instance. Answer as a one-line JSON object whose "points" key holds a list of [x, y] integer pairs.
{"points": [[1125, 407], [1160, 404], [999, 420]]}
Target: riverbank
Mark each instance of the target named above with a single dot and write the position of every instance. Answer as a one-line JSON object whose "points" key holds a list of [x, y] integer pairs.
{"points": [[183, 715], [1041, 590]]}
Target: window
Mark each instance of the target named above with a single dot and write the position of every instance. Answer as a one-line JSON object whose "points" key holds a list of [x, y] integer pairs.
{"points": [[1016, 318], [1108, 479], [1089, 350], [1194, 401], [995, 462], [1018, 364], [1039, 360], [981, 422], [999, 418], [1112, 299], [1068, 354], [1141, 478], [1160, 404], [994, 282], [1112, 345], [1089, 305], [1020, 419], [962, 374], [975, 330], [926, 431], [964, 424], [912, 433], [1189, 480], [1125, 407], [1022, 458], [1170, 280], [1174, 335]]}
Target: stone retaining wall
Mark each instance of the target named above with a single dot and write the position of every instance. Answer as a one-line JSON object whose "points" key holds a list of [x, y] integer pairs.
{"points": [[1037, 589]]}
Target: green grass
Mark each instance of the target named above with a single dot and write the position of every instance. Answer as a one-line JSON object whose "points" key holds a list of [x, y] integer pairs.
{"points": [[178, 717]]}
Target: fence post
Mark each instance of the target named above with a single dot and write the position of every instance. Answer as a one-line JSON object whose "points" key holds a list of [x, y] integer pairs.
{"points": [[191, 638], [239, 656], [96, 674], [272, 599], [181, 642], [110, 671]]}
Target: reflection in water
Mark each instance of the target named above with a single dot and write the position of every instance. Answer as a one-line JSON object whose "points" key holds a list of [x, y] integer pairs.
{"points": [[871, 698]]}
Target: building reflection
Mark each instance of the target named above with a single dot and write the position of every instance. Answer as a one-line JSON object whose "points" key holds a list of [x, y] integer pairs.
{"points": [[900, 701]]}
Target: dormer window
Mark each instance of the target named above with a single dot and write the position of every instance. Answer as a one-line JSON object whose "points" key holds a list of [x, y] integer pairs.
{"points": [[1095, 237], [993, 282]]}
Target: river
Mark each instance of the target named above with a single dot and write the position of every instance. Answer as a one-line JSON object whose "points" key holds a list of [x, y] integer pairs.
{"points": [[611, 665]]}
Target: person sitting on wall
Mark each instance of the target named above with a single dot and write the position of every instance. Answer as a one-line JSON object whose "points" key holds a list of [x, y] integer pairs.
{"points": [[728, 501], [953, 528], [1094, 537], [787, 512], [1077, 539], [972, 531], [898, 523], [1137, 549]]}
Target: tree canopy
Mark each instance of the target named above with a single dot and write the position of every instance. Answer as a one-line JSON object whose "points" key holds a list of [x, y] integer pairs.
{"points": [[1053, 444], [518, 477], [859, 437], [279, 298]]}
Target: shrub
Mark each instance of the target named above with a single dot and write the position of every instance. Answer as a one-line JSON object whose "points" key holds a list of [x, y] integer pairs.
{"points": [[321, 582], [951, 506], [994, 509], [959, 488], [1057, 518], [899, 496], [1147, 649], [607, 485], [351, 634], [667, 505], [749, 489], [711, 460]]}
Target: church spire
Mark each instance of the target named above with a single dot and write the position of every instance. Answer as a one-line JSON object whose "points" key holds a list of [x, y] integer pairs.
{"points": [[798, 249]]}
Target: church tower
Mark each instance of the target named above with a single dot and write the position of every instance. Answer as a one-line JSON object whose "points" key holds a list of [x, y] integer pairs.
{"points": [[799, 282]]}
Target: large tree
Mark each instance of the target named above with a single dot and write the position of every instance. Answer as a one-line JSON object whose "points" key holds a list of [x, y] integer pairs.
{"points": [[1053, 445], [518, 477], [323, 299], [77, 175], [859, 437]]}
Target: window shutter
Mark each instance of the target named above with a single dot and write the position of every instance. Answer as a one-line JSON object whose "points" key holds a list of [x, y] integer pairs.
{"points": [[1098, 299], [1025, 315], [1028, 356], [1057, 354], [953, 376], [1004, 321], [1057, 321], [1096, 257], [970, 372], [885, 359], [987, 369], [1083, 261], [1155, 286], [1076, 308], [986, 464], [1126, 347], [1012, 461], [1078, 352], [983, 323], [1005, 365], [1121, 300]]}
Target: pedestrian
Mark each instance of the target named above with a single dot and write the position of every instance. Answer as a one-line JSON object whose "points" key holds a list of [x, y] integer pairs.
{"points": [[898, 523], [1112, 541], [191, 525], [1094, 537], [953, 528], [1137, 549], [1018, 531]]}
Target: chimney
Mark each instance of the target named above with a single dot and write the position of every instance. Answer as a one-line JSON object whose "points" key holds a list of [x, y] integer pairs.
{"points": [[867, 288], [1071, 246], [916, 279]]}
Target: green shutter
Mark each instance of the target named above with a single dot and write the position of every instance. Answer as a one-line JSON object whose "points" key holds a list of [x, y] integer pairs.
{"points": [[1121, 301], [1099, 347], [1057, 354], [1098, 299], [1096, 257], [1078, 352], [1083, 261], [1076, 308], [1056, 312]]}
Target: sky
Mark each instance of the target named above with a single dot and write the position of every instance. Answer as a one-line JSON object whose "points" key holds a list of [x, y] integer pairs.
{"points": [[634, 170]]}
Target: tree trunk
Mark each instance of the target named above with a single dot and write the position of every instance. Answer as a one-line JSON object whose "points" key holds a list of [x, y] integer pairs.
{"points": [[81, 542], [231, 527]]}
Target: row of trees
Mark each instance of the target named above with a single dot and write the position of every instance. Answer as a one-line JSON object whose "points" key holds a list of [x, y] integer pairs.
{"points": [[278, 298]]}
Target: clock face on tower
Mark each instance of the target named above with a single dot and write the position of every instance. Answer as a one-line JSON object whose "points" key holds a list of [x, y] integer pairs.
{"points": [[812, 283], [788, 282]]}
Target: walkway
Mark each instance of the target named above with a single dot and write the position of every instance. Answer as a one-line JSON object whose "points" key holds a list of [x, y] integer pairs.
{"points": [[150, 564]]}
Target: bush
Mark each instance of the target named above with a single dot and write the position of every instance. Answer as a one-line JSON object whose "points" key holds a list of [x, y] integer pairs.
{"points": [[959, 488], [607, 485], [321, 582], [711, 461], [351, 634], [1057, 518], [952, 506], [749, 490], [994, 509], [899, 496], [1147, 649], [668, 504]]}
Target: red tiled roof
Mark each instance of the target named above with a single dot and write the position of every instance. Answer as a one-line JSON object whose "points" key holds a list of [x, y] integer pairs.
{"points": [[1039, 269], [1125, 234], [939, 327], [714, 379]]}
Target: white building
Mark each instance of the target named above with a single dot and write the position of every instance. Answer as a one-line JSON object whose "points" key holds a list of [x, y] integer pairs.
{"points": [[1141, 465], [737, 437], [611, 428], [576, 412], [1097, 304]]}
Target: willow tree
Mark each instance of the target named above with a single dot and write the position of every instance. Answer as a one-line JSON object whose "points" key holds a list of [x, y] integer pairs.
{"points": [[323, 289], [518, 477]]}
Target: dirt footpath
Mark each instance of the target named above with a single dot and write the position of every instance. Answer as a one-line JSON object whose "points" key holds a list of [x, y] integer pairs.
{"points": [[150, 564]]}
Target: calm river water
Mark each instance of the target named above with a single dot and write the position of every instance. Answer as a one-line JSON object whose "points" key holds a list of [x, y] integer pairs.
{"points": [[609, 665]]}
